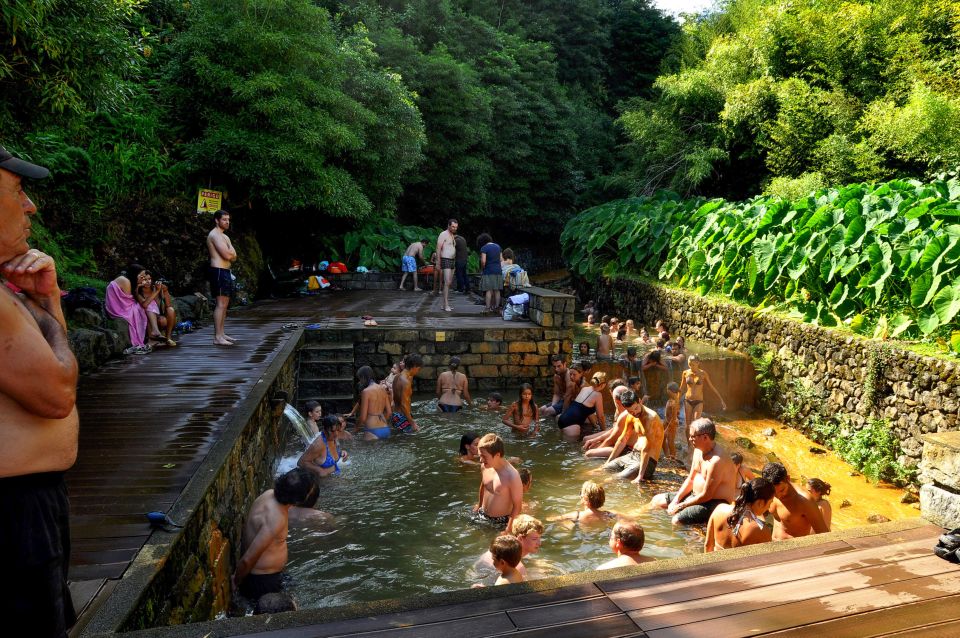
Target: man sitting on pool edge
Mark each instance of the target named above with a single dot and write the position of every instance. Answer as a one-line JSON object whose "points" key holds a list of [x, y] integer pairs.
{"points": [[501, 492], [712, 479]]}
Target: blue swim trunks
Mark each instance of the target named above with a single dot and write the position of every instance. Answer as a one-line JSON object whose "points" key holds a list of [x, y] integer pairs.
{"points": [[408, 264]]}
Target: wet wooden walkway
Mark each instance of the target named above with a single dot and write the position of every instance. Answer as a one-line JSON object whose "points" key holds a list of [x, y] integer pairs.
{"points": [[147, 422]]}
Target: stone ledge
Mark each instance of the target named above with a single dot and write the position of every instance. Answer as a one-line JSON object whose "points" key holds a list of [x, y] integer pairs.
{"points": [[940, 463], [940, 506]]}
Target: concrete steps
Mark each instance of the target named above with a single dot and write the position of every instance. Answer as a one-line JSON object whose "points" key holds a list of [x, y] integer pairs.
{"points": [[326, 373]]}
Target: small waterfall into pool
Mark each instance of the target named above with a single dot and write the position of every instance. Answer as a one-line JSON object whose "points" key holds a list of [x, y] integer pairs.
{"points": [[298, 422]]}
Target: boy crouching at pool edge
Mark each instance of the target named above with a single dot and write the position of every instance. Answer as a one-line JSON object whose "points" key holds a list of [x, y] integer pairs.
{"points": [[505, 550]]}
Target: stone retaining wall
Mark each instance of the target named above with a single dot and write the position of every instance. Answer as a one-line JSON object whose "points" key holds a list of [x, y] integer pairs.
{"points": [[814, 370], [492, 358]]}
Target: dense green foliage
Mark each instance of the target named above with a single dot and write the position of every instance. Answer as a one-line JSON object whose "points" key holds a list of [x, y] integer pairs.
{"points": [[825, 91], [882, 259], [314, 117]]}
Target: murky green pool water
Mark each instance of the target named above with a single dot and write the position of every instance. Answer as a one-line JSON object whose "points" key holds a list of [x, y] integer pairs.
{"points": [[403, 508]]}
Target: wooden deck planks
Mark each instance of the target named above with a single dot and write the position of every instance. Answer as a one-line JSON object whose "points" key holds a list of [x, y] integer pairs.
{"points": [[752, 598], [732, 582], [881, 622], [774, 617]]}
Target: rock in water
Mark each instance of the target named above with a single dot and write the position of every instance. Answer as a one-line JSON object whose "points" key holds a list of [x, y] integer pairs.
{"points": [[878, 518], [817, 450], [744, 442], [909, 497], [769, 432], [845, 503]]}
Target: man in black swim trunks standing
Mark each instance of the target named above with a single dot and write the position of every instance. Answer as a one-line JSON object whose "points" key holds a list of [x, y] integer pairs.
{"points": [[222, 255], [447, 249], [38, 422]]}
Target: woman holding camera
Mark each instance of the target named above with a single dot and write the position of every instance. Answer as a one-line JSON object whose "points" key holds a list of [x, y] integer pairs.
{"points": [[149, 293]]}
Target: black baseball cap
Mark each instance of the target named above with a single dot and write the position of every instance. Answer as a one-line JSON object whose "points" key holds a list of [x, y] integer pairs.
{"points": [[20, 167]]}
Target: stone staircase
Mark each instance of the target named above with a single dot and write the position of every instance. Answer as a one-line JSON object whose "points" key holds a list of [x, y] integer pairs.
{"points": [[326, 371]]}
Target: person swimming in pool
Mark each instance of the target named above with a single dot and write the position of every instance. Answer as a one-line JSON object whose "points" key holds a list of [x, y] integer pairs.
{"points": [[469, 452], [374, 407], [523, 414], [323, 455], [453, 388]]}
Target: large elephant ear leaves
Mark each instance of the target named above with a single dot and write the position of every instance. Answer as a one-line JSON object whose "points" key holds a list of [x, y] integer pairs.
{"points": [[946, 303]]}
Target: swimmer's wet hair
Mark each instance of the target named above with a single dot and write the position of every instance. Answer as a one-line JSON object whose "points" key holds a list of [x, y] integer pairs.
{"points": [[605, 319], [758, 489], [577, 365], [633, 380], [630, 535], [776, 473], [595, 494], [524, 524], [616, 383], [673, 387], [412, 360], [703, 425], [737, 458], [605, 327], [296, 487], [495, 396], [329, 424], [506, 547], [631, 350], [525, 477], [310, 406], [556, 357], [628, 398], [454, 363], [466, 440], [819, 486], [491, 443]]}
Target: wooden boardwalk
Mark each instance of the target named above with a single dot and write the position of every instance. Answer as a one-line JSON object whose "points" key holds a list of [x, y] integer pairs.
{"points": [[147, 422]]}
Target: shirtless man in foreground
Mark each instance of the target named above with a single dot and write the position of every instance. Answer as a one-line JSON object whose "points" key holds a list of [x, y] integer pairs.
{"points": [[794, 514], [222, 255], [38, 420], [264, 541], [501, 492], [402, 419], [712, 479]]}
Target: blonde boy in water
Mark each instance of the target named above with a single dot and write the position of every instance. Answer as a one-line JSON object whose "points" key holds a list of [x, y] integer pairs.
{"points": [[671, 417], [505, 550]]}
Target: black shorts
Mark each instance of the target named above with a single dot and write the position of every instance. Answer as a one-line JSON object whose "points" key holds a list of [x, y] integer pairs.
{"points": [[695, 514], [446, 264], [221, 282], [256, 585], [35, 537]]}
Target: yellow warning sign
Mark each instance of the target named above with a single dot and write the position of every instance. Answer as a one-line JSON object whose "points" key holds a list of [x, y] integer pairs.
{"points": [[209, 201]]}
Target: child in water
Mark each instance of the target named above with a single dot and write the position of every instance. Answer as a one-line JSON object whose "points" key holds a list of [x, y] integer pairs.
{"points": [[604, 342], [671, 419], [494, 402], [505, 550], [523, 413]]}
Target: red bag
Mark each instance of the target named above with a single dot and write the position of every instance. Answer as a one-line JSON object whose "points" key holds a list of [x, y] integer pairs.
{"points": [[337, 268]]}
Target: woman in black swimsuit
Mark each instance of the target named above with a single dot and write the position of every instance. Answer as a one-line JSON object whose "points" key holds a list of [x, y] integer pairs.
{"points": [[588, 402]]}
